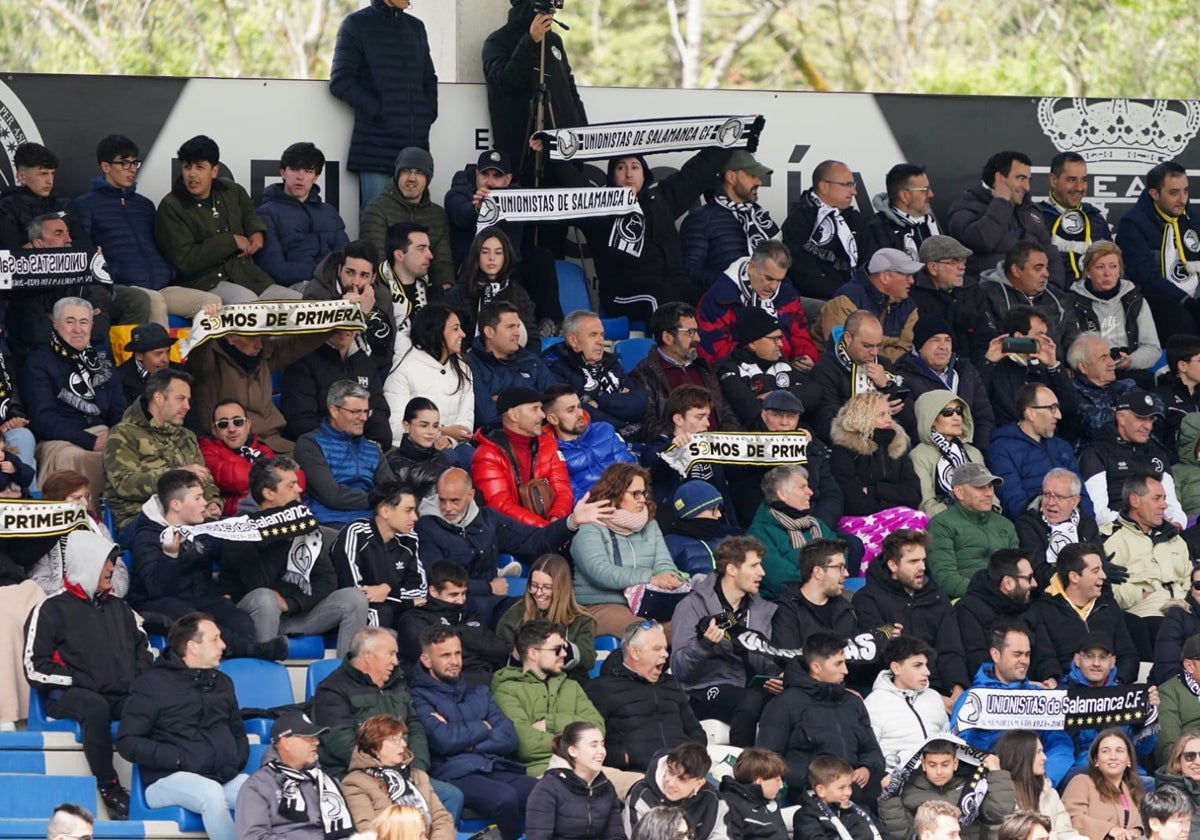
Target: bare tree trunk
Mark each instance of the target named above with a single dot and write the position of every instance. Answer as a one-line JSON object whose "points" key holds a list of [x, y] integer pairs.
{"points": [[689, 43]]}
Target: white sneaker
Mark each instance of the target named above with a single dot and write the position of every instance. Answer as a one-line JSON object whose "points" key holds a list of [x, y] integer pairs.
{"points": [[7, 726], [513, 569]]}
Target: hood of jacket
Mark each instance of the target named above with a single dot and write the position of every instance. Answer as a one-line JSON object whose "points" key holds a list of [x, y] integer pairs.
{"points": [[274, 193], [153, 510], [1189, 434], [180, 191], [796, 676], [881, 205], [430, 507], [930, 404], [1075, 677], [997, 276], [572, 781], [84, 558], [860, 435], [986, 677], [514, 674], [646, 170], [421, 678]]}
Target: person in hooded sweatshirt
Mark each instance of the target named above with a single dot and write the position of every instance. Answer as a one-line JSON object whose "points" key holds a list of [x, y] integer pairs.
{"points": [[904, 217], [84, 647], [574, 800], [678, 777], [933, 365], [946, 428], [750, 794], [904, 710]]}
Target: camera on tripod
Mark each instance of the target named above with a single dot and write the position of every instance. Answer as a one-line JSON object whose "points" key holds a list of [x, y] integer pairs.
{"points": [[547, 7]]}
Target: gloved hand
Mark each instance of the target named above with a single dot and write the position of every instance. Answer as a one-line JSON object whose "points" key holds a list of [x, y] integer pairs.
{"points": [[1115, 574]]}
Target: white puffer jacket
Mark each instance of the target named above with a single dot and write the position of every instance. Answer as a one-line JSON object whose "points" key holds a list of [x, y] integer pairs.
{"points": [[418, 374], [903, 720]]}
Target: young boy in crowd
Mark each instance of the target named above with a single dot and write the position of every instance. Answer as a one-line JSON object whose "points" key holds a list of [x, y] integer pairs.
{"points": [[826, 812], [750, 794]]}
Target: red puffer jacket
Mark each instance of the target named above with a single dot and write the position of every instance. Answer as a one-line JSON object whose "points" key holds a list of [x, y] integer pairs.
{"points": [[231, 472], [495, 476]]}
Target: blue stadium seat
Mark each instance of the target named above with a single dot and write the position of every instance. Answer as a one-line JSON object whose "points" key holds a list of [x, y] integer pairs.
{"points": [[139, 810], [318, 671], [39, 721], [259, 685], [516, 586], [572, 287], [22, 761], [28, 795], [609, 643], [255, 760], [306, 647], [615, 329], [175, 322], [547, 343], [855, 583], [633, 350]]}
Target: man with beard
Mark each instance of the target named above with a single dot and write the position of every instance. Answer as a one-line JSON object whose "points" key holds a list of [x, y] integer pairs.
{"points": [[826, 234], [938, 287], [406, 199], [350, 274], [587, 445], [1001, 592], [757, 368], [1073, 223], [1021, 278], [904, 216]]}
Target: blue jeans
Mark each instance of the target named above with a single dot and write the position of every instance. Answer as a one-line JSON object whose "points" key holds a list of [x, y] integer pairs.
{"points": [[370, 184], [206, 797], [451, 796], [21, 439]]}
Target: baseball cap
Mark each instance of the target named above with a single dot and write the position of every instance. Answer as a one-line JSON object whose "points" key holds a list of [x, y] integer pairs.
{"points": [[1096, 640], [1141, 403], [976, 475], [892, 259], [495, 159], [743, 161], [295, 723]]}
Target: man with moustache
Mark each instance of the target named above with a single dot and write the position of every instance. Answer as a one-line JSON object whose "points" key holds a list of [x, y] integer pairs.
{"points": [[1074, 224], [904, 216], [230, 452]]}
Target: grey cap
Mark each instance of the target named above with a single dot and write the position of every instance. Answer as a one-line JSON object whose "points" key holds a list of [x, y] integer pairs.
{"points": [[891, 259], [414, 157], [783, 400], [976, 475], [942, 248]]}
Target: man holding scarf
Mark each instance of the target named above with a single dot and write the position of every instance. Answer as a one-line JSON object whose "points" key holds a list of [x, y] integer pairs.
{"points": [[291, 795], [827, 235], [1160, 241], [1073, 223]]}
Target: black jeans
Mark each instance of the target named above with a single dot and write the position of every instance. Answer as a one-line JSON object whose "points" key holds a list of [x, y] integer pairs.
{"points": [[95, 713], [739, 707]]}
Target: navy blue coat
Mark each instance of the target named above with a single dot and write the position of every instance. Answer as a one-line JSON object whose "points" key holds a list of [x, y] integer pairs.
{"points": [[43, 377], [299, 235], [619, 409], [493, 376], [460, 744], [122, 223], [155, 575], [383, 70], [1140, 235], [711, 238]]}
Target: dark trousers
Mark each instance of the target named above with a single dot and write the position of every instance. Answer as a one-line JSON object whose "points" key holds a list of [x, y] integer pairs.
{"points": [[95, 713], [739, 707], [499, 797], [237, 627], [1144, 632]]}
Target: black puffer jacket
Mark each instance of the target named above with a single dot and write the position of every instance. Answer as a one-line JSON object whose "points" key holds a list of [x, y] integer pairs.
{"points": [[926, 614], [820, 264], [483, 652], [418, 466], [563, 806], [796, 620], [704, 809], [641, 717], [1180, 623], [181, 719], [991, 226], [383, 70], [1060, 632], [305, 385], [982, 606], [750, 815]]}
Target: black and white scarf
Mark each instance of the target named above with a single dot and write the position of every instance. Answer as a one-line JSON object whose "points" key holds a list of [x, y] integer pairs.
{"points": [[1061, 535], [6, 391], [335, 816], [1190, 684], [91, 371], [1180, 254], [400, 788], [599, 378], [835, 821], [405, 299], [750, 298], [860, 383], [755, 220], [830, 224], [951, 453], [1071, 234], [916, 226], [974, 790], [250, 453]]}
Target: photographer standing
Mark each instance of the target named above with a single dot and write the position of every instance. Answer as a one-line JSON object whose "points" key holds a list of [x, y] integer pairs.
{"points": [[512, 58]]}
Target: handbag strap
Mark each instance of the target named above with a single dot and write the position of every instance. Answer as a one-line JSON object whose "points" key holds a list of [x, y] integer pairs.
{"points": [[616, 549]]}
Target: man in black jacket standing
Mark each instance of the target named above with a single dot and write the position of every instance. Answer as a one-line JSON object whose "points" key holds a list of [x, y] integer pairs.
{"points": [[183, 727]]}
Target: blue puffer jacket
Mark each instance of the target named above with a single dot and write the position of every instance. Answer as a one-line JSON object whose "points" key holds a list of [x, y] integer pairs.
{"points": [[492, 375], [383, 70], [299, 235], [691, 554], [590, 453], [1140, 235], [460, 744], [340, 469], [1023, 462], [1083, 738], [122, 223], [711, 238]]}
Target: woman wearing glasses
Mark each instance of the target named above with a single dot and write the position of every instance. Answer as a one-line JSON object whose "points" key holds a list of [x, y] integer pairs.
{"points": [[1182, 771], [626, 551], [946, 428], [550, 595], [382, 775]]}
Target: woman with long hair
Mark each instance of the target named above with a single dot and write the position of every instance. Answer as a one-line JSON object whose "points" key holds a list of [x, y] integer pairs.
{"points": [[382, 774], [1182, 771], [628, 550], [401, 822], [1020, 753], [419, 458], [574, 800], [489, 274], [436, 367], [550, 595], [1103, 803]]}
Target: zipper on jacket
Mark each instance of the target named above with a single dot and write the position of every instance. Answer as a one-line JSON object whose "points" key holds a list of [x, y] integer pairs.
{"points": [[912, 708]]}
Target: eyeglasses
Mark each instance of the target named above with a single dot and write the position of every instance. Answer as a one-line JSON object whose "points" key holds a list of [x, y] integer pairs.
{"points": [[692, 331], [357, 412], [955, 261], [1055, 497], [1196, 585], [556, 649], [1189, 756], [1027, 578], [540, 587], [640, 495], [952, 411], [918, 189], [226, 422], [838, 183], [1053, 408], [396, 739], [135, 165], [839, 568]]}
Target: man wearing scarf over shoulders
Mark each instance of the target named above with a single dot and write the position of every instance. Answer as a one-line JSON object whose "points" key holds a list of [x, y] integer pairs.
{"points": [[827, 235]]}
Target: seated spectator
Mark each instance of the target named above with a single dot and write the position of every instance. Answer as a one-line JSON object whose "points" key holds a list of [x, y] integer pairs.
{"points": [[261, 580], [679, 777], [965, 534], [825, 232], [749, 794], [173, 569], [1007, 372], [150, 351], [499, 362], [434, 367], [1075, 610], [292, 794], [550, 596], [1021, 754], [14, 419], [1181, 621], [1153, 553], [468, 188], [1104, 302], [206, 228], [816, 716], [379, 555], [306, 383], [815, 603], [756, 368], [786, 524], [48, 571], [1177, 386], [1074, 224], [342, 466], [404, 270], [587, 446], [574, 800], [1178, 713], [1186, 472], [946, 428], [756, 282], [697, 528], [643, 707], [1010, 651], [625, 550], [182, 726], [383, 774], [537, 696], [1096, 384], [881, 289], [938, 287], [1022, 278], [482, 651], [726, 681], [939, 783], [1103, 802], [903, 217], [606, 391], [350, 274], [230, 452], [675, 362], [16, 477], [420, 458], [1001, 592], [904, 687], [1171, 811], [489, 275], [71, 423], [301, 229], [1179, 775], [1024, 452], [468, 734], [84, 647], [1056, 522], [69, 820], [149, 441], [934, 366], [827, 811], [898, 591]]}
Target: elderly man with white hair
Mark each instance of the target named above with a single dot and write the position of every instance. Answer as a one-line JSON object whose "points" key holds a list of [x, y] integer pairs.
{"points": [[1096, 383], [1056, 521]]}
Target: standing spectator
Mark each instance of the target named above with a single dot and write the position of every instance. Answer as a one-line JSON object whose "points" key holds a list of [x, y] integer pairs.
{"points": [[549, 596], [574, 799], [382, 68]]}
